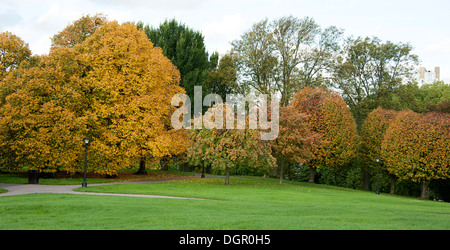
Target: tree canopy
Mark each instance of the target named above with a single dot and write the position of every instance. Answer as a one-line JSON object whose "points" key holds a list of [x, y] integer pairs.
{"points": [[330, 117], [13, 50], [296, 142], [415, 147], [284, 55], [369, 73], [224, 148]]}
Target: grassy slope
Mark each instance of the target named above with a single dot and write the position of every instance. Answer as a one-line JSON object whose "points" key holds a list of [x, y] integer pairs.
{"points": [[245, 204]]}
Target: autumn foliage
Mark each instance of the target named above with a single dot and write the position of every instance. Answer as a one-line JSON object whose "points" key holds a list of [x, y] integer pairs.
{"points": [[372, 134], [416, 147], [13, 51], [114, 87], [225, 148], [296, 142], [373, 130], [130, 85], [78, 31], [328, 116]]}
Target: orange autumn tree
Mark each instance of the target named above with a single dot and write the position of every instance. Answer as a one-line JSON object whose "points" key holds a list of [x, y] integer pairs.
{"points": [[295, 143], [330, 117], [372, 133], [416, 147]]}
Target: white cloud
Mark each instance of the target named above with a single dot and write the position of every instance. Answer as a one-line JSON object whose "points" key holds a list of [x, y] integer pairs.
{"points": [[218, 35], [38, 30]]}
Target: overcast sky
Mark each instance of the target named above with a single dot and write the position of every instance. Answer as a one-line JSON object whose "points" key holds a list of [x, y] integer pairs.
{"points": [[423, 24]]}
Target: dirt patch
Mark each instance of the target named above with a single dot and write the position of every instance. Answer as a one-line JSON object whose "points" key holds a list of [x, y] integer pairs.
{"points": [[123, 176], [130, 176]]}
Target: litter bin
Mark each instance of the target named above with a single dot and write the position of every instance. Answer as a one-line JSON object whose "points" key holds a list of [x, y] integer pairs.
{"points": [[33, 176]]}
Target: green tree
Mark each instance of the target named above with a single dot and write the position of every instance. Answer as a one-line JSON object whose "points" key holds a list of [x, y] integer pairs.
{"points": [[305, 53], [286, 55], [369, 72], [222, 75], [186, 49], [421, 99], [255, 52]]}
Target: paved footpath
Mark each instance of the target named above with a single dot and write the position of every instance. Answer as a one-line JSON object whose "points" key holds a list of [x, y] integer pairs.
{"points": [[20, 189]]}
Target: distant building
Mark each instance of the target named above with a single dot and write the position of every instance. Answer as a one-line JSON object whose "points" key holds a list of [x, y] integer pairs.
{"points": [[429, 76]]}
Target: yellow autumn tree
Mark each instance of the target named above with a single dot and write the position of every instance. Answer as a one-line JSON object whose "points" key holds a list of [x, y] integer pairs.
{"points": [[114, 87], [129, 85], [40, 126], [78, 31], [13, 50]]}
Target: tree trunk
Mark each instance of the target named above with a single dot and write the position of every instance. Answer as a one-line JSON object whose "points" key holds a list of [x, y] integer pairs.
{"points": [[163, 164], [423, 195], [227, 178], [366, 177], [393, 180], [280, 162], [312, 174], [142, 170], [281, 173]]}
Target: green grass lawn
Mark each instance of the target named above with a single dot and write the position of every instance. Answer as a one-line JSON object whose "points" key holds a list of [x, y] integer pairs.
{"points": [[256, 204]]}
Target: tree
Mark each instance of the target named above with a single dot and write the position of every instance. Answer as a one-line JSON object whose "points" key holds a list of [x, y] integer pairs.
{"points": [[295, 143], [415, 147], [13, 50], [131, 84], [115, 87], [372, 134], [435, 96], [285, 55], [186, 50], [222, 76], [369, 73], [257, 62], [40, 108], [225, 148], [305, 52], [328, 116], [78, 31], [421, 99], [443, 107]]}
